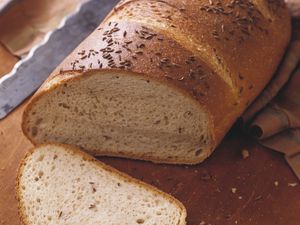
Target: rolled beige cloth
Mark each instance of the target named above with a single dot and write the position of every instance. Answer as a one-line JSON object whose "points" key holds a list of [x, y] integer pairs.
{"points": [[274, 117], [277, 125], [294, 7], [281, 113]]}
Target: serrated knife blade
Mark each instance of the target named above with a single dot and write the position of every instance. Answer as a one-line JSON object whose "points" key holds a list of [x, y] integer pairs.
{"points": [[29, 74]]}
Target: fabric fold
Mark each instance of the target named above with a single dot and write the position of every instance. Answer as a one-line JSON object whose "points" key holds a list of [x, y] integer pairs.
{"points": [[274, 117], [277, 121]]}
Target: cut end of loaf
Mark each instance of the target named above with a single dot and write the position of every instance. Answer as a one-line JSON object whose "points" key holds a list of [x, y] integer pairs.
{"points": [[61, 185], [121, 114]]}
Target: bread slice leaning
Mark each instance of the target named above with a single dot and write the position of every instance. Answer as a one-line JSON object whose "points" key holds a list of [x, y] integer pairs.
{"points": [[58, 184]]}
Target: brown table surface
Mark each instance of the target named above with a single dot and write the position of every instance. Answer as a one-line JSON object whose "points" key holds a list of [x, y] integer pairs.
{"points": [[205, 189]]}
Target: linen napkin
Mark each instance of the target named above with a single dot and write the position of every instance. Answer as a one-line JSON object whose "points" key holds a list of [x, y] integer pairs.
{"points": [[274, 117]]}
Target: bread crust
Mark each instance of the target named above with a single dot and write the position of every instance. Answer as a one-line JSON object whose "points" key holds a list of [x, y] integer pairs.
{"points": [[101, 165], [127, 42]]}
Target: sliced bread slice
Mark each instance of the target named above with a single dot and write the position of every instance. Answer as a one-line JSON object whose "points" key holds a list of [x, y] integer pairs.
{"points": [[58, 184]]}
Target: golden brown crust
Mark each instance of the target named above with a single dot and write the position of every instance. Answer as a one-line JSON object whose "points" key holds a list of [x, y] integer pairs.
{"points": [[228, 30], [248, 39], [103, 166], [21, 210]]}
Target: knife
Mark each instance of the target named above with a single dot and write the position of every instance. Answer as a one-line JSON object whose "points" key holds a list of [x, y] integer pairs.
{"points": [[29, 73]]}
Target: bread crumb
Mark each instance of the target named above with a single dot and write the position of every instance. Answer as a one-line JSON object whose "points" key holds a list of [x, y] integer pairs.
{"points": [[276, 183], [92, 206], [140, 221], [292, 184], [245, 153], [233, 190], [258, 198], [202, 223], [240, 197], [206, 176]]}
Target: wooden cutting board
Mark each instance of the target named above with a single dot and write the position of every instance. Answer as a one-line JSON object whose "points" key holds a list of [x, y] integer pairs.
{"points": [[205, 189], [263, 183]]}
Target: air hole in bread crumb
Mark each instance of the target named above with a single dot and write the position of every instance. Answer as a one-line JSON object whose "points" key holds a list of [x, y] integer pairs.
{"points": [[34, 131], [129, 197], [140, 221], [107, 137], [40, 158], [198, 152], [166, 120], [40, 174], [157, 122], [187, 114], [158, 213], [64, 105], [39, 121]]}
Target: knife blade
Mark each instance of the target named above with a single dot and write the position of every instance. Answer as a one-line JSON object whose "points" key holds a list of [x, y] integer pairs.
{"points": [[29, 73]]}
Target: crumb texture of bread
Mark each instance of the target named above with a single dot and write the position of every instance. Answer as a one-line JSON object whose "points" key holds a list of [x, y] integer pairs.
{"points": [[119, 114], [59, 185]]}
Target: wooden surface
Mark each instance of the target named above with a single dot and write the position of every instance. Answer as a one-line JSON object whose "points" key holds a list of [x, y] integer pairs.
{"points": [[7, 60], [205, 189]]}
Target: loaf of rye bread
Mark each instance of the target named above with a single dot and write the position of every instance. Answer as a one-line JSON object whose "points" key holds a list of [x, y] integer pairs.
{"points": [[161, 80]]}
